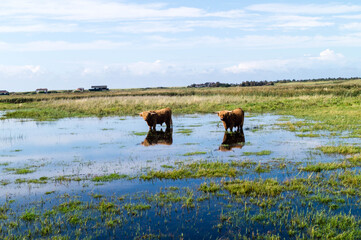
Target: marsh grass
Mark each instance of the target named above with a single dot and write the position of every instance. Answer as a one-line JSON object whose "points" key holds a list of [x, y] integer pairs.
{"points": [[318, 167], [194, 153], [313, 135], [261, 153], [139, 133], [194, 170], [341, 149], [268, 187], [333, 106], [109, 177], [19, 170], [185, 131]]}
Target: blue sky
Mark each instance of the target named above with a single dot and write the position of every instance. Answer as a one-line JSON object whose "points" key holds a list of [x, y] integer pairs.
{"points": [[66, 44]]}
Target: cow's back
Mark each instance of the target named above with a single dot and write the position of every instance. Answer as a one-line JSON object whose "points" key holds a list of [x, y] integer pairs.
{"points": [[163, 115], [239, 115]]}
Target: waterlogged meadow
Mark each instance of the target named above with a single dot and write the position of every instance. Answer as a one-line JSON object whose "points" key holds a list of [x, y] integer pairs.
{"points": [[109, 178]]}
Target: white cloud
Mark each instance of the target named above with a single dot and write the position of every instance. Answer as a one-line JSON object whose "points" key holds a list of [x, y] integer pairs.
{"points": [[11, 70], [145, 68], [328, 55], [307, 9], [152, 27], [300, 22], [283, 65], [39, 28], [60, 46], [97, 10], [137, 69], [263, 65], [354, 26]]}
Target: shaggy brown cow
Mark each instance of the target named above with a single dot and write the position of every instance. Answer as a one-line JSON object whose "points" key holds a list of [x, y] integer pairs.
{"points": [[232, 140], [232, 119], [159, 137], [157, 117]]}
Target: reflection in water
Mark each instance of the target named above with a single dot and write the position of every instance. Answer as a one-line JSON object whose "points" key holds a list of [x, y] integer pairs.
{"points": [[159, 137], [232, 140]]}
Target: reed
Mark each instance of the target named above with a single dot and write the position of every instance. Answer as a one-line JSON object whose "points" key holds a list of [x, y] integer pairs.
{"points": [[335, 105]]}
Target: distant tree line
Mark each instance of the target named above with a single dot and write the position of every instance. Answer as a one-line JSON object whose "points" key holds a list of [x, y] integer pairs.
{"points": [[264, 83]]}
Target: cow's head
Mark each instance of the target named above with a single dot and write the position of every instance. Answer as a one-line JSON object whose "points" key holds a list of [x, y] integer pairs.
{"points": [[223, 115], [147, 115]]}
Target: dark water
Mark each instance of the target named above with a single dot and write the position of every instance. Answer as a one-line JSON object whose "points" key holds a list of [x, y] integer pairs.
{"points": [[90, 146]]}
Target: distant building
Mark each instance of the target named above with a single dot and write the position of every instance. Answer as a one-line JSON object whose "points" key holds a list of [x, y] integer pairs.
{"points": [[4, 92], [99, 88], [80, 89], [42, 90]]}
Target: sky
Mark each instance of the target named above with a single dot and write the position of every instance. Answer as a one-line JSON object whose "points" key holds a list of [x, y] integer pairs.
{"points": [[66, 44]]}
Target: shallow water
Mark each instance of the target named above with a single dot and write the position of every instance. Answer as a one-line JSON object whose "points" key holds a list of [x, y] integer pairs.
{"points": [[98, 146], [87, 147]]}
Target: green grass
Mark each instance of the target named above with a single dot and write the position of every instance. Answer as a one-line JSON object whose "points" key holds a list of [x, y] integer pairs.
{"points": [[19, 170], [194, 153], [332, 105], [185, 131], [261, 153], [194, 170], [109, 177], [325, 166], [140, 133], [29, 215], [268, 187], [308, 135], [341, 149], [211, 187]]}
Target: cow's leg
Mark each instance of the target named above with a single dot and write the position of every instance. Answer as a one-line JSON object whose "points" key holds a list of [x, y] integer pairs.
{"points": [[168, 124]]}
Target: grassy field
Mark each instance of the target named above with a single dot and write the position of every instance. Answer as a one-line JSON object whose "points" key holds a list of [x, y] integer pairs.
{"points": [[335, 104], [260, 193]]}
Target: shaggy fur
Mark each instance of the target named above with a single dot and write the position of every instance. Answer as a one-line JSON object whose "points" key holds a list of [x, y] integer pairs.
{"points": [[232, 119], [157, 117]]}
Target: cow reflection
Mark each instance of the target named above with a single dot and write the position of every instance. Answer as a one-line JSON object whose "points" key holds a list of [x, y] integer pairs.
{"points": [[159, 137], [232, 140]]}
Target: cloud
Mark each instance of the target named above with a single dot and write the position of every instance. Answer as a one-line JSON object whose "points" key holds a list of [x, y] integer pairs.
{"points": [[11, 70], [25, 28], [137, 69], [146, 68], [300, 22], [96, 10], [60, 46], [307, 9], [263, 65], [354, 26], [283, 65], [328, 55]]}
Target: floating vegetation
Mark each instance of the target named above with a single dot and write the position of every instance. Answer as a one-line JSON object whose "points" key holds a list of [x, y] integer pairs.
{"points": [[318, 167], [308, 135], [140, 133], [261, 153], [341, 149], [19, 170], [194, 153], [185, 131], [109, 177]]}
